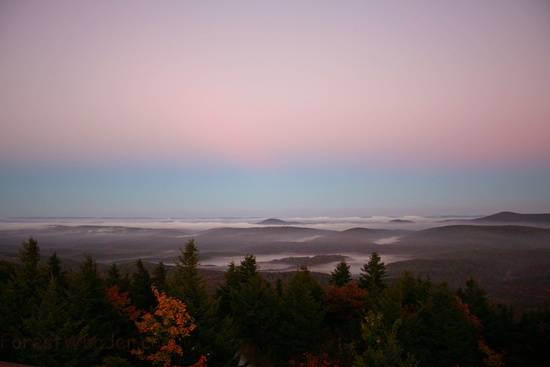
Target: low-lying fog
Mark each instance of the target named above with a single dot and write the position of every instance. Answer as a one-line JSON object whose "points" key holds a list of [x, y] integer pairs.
{"points": [[267, 262], [196, 225]]}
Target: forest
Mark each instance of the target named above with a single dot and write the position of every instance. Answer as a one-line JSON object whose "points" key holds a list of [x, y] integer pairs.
{"points": [[168, 316]]}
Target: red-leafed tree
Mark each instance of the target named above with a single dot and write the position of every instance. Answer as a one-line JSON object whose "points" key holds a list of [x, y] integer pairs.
{"points": [[123, 303], [344, 307], [491, 358], [345, 302]]}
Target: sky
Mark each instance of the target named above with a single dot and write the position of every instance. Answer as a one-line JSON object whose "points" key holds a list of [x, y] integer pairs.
{"points": [[274, 108]]}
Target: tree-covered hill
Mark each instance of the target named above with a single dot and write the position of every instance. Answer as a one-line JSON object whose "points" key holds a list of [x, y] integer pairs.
{"points": [[148, 314]]}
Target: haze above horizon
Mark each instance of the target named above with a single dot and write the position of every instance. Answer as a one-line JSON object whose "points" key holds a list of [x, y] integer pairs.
{"points": [[270, 109]]}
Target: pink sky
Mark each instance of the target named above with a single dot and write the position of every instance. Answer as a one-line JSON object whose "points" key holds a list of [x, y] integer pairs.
{"points": [[265, 85], [259, 83]]}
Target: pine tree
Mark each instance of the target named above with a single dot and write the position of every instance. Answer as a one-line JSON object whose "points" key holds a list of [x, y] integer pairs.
{"points": [[302, 316], [91, 314], [383, 348], [29, 255], [21, 295], [140, 288], [28, 281], [254, 307], [341, 275], [214, 336], [248, 268], [186, 283], [113, 275], [55, 271], [235, 276], [253, 304], [52, 327], [86, 296], [25, 288], [223, 291], [372, 275], [53, 266], [8, 318], [159, 277], [440, 333], [115, 278]]}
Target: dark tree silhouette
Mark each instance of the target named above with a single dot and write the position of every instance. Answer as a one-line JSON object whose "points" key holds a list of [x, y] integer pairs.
{"points": [[341, 275], [372, 275]]}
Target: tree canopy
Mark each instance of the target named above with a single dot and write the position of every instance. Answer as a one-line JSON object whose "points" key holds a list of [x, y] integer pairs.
{"points": [[53, 316]]}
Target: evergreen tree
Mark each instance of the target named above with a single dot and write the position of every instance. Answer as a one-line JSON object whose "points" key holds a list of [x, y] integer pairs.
{"points": [[54, 331], [53, 266], [7, 271], [55, 271], [140, 288], [186, 283], [440, 333], [532, 338], [303, 275], [113, 275], [254, 307], [28, 281], [383, 348], [302, 316], [279, 287], [341, 275], [372, 275], [248, 268], [235, 276], [404, 298], [7, 312], [22, 294], [223, 291], [159, 277], [253, 304], [91, 314], [115, 278], [29, 256], [497, 329], [214, 336]]}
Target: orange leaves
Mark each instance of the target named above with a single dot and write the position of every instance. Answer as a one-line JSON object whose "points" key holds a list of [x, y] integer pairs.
{"points": [[200, 363], [163, 329], [466, 309], [492, 358], [122, 302], [168, 324]]}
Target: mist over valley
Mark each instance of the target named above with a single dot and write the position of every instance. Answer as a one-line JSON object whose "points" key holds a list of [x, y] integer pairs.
{"points": [[503, 251]]}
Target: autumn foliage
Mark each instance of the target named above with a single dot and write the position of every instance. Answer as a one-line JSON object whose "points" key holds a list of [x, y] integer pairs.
{"points": [[53, 316], [346, 301], [163, 329], [491, 358], [122, 302]]}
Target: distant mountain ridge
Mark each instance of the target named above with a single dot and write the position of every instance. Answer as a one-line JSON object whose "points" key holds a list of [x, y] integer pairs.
{"points": [[513, 218], [400, 221], [277, 222]]}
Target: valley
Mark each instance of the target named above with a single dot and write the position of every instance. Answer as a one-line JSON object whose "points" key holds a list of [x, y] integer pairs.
{"points": [[507, 253]]}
